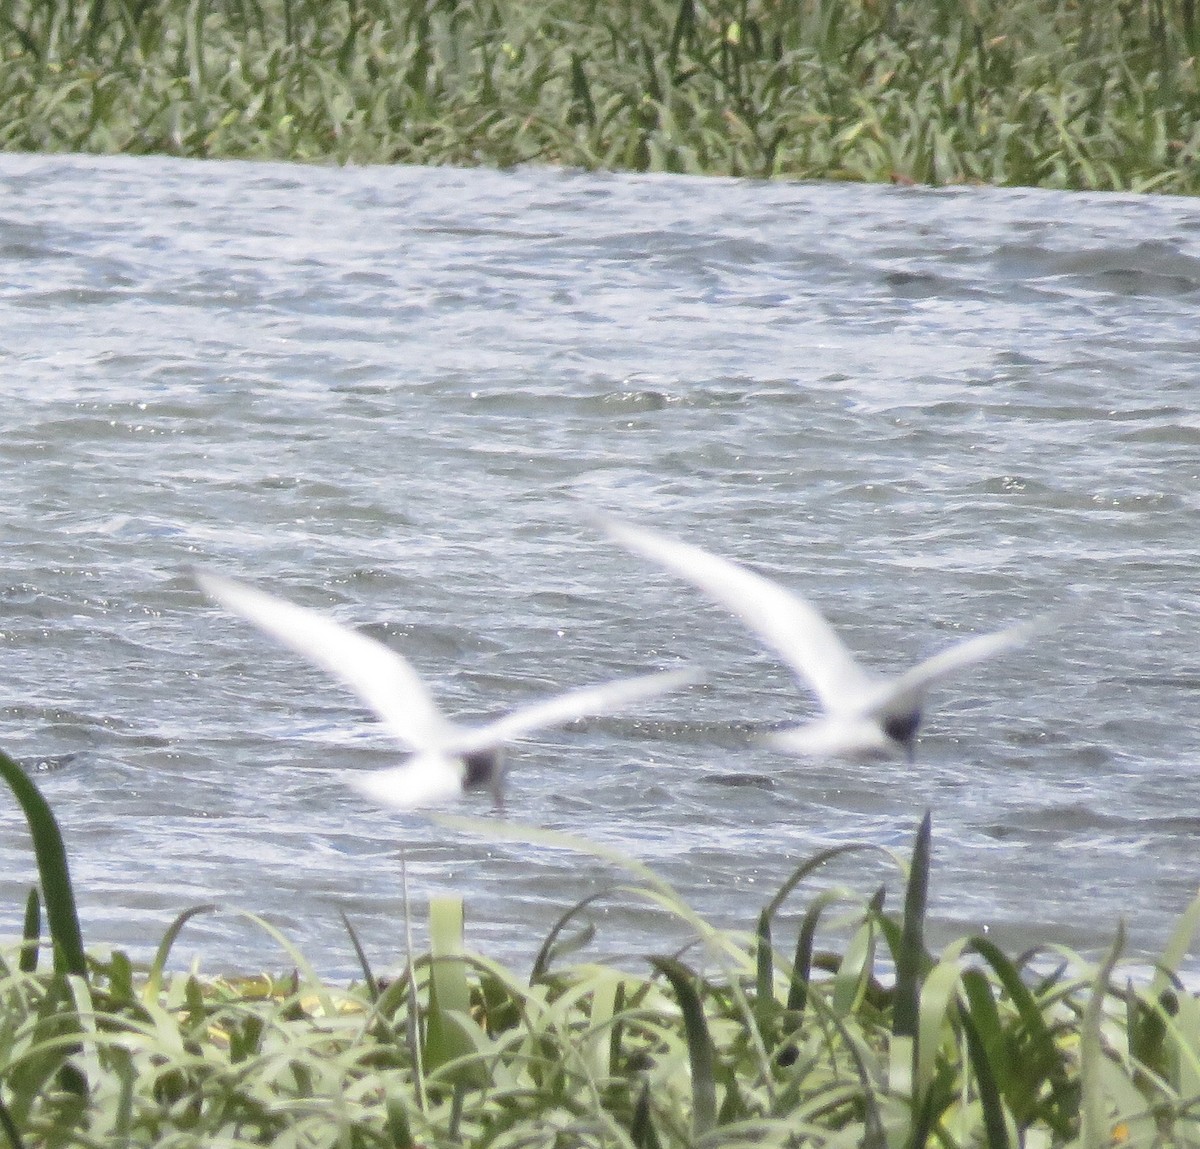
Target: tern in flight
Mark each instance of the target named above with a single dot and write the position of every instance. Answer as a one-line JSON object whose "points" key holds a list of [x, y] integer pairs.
{"points": [[445, 758], [865, 716]]}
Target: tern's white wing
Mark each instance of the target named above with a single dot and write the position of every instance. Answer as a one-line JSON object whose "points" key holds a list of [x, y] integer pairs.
{"points": [[912, 685], [424, 780], [781, 619], [376, 673], [591, 700]]}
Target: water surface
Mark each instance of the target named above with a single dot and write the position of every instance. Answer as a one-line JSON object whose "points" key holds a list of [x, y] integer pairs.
{"points": [[384, 392]]}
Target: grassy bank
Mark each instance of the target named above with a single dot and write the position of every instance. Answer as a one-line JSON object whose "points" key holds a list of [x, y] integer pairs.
{"points": [[1039, 92], [736, 1040]]}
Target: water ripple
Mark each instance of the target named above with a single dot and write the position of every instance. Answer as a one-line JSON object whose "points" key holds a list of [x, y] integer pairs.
{"points": [[380, 391]]}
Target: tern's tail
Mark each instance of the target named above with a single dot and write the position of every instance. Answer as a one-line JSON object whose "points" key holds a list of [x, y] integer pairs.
{"points": [[426, 779], [834, 738]]}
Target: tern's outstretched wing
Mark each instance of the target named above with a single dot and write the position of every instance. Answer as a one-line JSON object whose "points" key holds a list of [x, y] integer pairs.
{"points": [[424, 780], [603, 699], [911, 686], [380, 676], [781, 619]]}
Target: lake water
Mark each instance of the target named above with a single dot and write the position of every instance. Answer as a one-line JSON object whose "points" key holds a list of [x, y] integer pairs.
{"points": [[385, 393]]}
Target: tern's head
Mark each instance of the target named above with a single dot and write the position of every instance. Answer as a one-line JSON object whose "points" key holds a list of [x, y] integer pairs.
{"points": [[484, 770], [902, 729]]}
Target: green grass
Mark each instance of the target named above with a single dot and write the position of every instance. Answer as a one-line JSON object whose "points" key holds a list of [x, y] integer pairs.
{"points": [[1032, 92], [872, 1040]]}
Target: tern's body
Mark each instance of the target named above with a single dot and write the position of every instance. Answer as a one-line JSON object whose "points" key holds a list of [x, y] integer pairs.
{"points": [[445, 757], [864, 715]]}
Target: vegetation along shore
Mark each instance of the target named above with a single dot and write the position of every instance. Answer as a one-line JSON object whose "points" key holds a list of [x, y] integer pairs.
{"points": [[737, 1040], [1051, 93]]}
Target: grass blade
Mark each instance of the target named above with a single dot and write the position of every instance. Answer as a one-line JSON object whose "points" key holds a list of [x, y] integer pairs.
{"points": [[155, 976], [10, 1128], [550, 948], [764, 971], [1034, 1064], [55, 877], [1177, 947], [802, 960], [994, 1124], [1094, 1130], [874, 1135], [31, 933], [450, 1033], [937, 994], [396, 1123], [364, 964], [641, 1126], [911, 958], [701, 1054], [909, 955]]}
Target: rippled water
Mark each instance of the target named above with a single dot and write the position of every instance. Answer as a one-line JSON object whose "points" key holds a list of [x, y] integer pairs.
{"points": [[381, 392]]}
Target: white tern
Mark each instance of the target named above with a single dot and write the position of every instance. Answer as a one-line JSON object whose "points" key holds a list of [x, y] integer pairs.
{"points": [[445, 757], [864, 716]]}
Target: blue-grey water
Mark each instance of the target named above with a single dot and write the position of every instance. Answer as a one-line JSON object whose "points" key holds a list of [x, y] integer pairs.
{"points": [[385, 392]]}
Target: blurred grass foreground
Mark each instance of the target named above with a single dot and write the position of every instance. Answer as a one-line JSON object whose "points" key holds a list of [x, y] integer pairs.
{"points": [[734, 1040], [1052, 93]]}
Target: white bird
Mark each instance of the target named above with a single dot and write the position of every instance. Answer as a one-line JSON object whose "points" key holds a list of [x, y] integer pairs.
{"points": [[445, 758], [865, 716]]}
